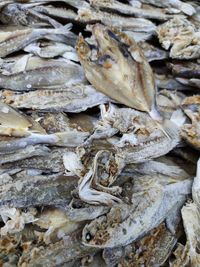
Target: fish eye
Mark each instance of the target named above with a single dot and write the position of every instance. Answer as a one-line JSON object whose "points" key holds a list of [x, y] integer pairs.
{"points": [[88, 237]]}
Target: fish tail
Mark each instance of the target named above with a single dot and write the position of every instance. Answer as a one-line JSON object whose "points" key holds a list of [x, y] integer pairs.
{"points": [[64, 30]]}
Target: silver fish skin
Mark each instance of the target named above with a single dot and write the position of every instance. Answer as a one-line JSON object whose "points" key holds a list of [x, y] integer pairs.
{"points": [[12, 41], [149, 209], [44, 74], [76, 98], [53, 189]]}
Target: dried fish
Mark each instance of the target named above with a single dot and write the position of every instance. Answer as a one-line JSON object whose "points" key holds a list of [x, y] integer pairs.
{"points": [[191, 132], [125, 224], [120, 65], [186, 8], [25, 36], [75, 98], [28, 190], [25, 153], [190, 214], [114, 20], [145, 12], [44, 74], [25, 15], [58, 12], [152, 250], [52, 49]]}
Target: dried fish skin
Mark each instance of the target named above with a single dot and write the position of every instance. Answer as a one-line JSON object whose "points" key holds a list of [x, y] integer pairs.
{"points": [[114, 20], [187, 48], [173, 30], [52, 49], [89, 188], [12, 123], [27, 152], [115, 6], [151, 250], [189, 255], [17, 220], [186, 8], [139, 36], [23, 37], [57, 224], [121, 226], [51, 163], [56, 254], [185, 69], [73, 3], [66, 139], [37, 190], [191, 132], [19, 14], [75, 98], [119, 65], [152, 53], [44, 74], [57, 12]]}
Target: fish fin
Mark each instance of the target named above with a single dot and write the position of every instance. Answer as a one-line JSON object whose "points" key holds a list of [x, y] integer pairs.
{"points": [[64, 30], [12, 123]]}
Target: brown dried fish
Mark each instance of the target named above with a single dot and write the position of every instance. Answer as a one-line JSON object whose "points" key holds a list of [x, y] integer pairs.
{"points": [[119, 65]]}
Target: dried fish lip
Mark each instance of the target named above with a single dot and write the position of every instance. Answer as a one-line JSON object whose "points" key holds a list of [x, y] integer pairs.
{"points": [[119, 65], [107, 233], [75, 98], [44, 74]]}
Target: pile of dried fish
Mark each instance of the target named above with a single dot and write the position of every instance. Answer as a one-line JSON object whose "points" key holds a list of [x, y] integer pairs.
{"points": [[99, 133]]}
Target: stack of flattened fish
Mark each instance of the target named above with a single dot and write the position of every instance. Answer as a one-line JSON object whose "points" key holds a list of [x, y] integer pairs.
{"points": [[99, 133]]}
